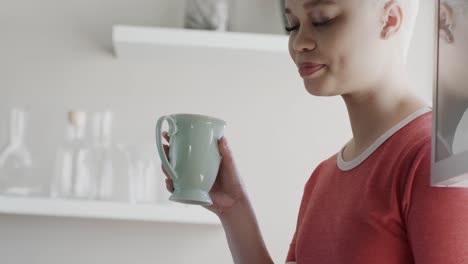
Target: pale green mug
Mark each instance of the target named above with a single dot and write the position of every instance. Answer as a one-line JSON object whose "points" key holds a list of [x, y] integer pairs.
{"points": [[194, 155]]}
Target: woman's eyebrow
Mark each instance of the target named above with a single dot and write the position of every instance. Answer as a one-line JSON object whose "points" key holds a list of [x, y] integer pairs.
{"points": [[312, 4]]}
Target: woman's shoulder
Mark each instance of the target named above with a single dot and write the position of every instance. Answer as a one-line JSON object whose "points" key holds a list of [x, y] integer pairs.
{"points": [[414, 145], [416, 135]]}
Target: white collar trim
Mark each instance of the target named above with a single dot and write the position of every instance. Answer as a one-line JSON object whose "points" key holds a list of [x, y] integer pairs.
{"points": [[349, 165]]}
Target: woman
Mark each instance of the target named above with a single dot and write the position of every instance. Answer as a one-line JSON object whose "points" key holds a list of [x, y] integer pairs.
{"points": [[372, 201], [453, 73]]}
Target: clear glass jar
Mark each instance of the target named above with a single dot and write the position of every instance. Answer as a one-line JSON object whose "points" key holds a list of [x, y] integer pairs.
{"points": [[145, 176], [111, 159], [16, 165], [74, 171]]}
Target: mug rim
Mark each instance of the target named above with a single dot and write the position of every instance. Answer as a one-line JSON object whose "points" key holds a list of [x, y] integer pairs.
{"points": [[204, 117]]}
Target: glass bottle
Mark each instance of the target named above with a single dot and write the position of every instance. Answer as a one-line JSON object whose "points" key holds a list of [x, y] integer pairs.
{"points": [[16, 167], [144, 175], [111, 159], [74, 168]]}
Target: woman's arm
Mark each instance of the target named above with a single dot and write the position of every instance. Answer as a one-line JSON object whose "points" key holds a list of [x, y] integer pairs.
{"points": [[232, 206], [243, 235], [436, 217]]}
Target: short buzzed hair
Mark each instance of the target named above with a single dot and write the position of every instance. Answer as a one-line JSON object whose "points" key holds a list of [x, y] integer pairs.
{"points": [[410, 10]]}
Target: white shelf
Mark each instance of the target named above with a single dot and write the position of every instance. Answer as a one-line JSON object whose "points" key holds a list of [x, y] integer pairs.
{"points": [[154, 42], [189, 214]]}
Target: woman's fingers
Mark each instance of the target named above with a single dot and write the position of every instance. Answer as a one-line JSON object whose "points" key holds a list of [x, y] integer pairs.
{"points": [[169, 185], [226, 153], [166, 136], [166, 151]]}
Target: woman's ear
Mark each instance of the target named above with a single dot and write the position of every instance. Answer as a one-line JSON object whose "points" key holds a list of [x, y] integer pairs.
{"points": [[446, 23], [391, 19]]}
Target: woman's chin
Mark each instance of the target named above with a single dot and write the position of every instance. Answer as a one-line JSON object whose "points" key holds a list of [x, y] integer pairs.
{"points": [[317, 89]]}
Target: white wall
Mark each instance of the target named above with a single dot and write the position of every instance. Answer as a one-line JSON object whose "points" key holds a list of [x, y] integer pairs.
{"points": [[420, 57], [56, 55]]}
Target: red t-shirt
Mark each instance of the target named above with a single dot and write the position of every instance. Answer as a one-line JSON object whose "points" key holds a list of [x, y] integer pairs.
{"points": [[380, 207]]}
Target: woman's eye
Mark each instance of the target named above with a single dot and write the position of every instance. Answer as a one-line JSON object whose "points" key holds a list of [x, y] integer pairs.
{"points": [[315, 24], [322, 23], [290, 29]]}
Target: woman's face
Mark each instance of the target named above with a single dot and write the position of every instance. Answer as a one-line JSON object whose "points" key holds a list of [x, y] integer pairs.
{"points": [[336, 44], [453, 51]]}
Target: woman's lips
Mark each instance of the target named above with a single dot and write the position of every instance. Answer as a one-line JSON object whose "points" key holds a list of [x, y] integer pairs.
{"points": [[307, 70]]}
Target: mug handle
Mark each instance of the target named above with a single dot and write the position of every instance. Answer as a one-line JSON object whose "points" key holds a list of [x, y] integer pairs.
{"points": [[172, 131]]}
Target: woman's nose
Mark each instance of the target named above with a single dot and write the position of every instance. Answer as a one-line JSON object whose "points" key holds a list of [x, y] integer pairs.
{"points": [[304, 41]]}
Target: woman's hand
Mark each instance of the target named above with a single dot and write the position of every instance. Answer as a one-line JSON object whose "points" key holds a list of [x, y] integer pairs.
{"points": [[231, 204], [227, 190]]}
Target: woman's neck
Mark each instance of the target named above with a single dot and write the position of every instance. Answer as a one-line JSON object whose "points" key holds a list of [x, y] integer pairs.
{"points": [[374, 111]]}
